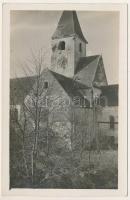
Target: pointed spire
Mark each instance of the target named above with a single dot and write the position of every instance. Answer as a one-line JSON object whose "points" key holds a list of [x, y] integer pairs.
{"points": [[68, 26]]}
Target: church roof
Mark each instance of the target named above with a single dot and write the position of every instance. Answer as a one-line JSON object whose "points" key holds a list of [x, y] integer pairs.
{"points": [[71, 86], [87, 67], [20, 88], [85, 61], [68, 26]]}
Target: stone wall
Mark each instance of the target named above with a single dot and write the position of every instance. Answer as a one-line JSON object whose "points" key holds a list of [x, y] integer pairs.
{"points": [[104, 119], [78, 54], [65, 61], [62, 61]]}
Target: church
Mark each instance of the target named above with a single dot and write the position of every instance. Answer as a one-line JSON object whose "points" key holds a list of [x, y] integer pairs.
{"points": [[82, 105]]}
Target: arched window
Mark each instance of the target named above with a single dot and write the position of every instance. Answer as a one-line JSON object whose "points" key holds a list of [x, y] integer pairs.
{"points": [[61, 45], [103, 101], [96, 100], [112, 122], [46, 84], [14, 114], [80, 47]]}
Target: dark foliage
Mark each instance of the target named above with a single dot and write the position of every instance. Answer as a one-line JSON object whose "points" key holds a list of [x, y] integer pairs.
{"points": [[58, 170]]}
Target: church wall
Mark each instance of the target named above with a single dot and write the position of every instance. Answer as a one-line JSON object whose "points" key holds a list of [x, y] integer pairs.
{"points": [[87, 127], [62, 61], [65, 61], [104, 116], [83, 128], [79, 53], [58, 117]]}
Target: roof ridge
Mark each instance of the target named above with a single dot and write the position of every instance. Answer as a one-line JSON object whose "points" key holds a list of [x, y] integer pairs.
{"points": [[71, 79], [55, 73], [97, 55], [23, 77], [69, 90]]}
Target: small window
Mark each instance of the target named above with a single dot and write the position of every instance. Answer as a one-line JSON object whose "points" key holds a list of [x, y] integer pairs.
{"points": [[61, 45], [80, 47], [97, 101], [14, 114], [76, 100], [112, 122], [103, 101], [46, 84]]}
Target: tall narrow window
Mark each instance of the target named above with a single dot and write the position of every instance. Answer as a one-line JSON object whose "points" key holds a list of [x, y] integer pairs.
{"points": [[103, 101], [96, 100], [46, 84], [14, 114], [80, 47], [112, 122], [61, 45]]}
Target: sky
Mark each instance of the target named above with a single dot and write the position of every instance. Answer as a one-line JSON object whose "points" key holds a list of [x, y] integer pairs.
{"points": [[32, 30]]}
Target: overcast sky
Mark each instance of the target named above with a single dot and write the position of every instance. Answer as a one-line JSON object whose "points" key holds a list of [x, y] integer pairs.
{"points": [[33, 30]]}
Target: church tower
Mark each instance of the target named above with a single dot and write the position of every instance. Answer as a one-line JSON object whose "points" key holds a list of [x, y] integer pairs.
{"points": [[68, 44]]}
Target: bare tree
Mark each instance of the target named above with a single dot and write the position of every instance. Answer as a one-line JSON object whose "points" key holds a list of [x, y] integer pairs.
{"points": [[34, 104], [32, 107], [19, 128], [35, 113], [36, 109]]}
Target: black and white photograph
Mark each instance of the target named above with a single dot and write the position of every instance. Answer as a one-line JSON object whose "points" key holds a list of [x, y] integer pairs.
{"points": [[64, 113], [64, 117]]}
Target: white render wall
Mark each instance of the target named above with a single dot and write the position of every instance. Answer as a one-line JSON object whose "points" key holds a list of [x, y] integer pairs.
{"points": [[65, 61]]}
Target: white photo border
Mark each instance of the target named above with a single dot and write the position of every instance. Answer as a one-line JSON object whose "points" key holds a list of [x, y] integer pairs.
{"points": [[122, 149]]}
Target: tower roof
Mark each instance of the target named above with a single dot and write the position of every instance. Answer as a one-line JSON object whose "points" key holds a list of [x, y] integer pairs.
{"points": [[68, 26]]}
